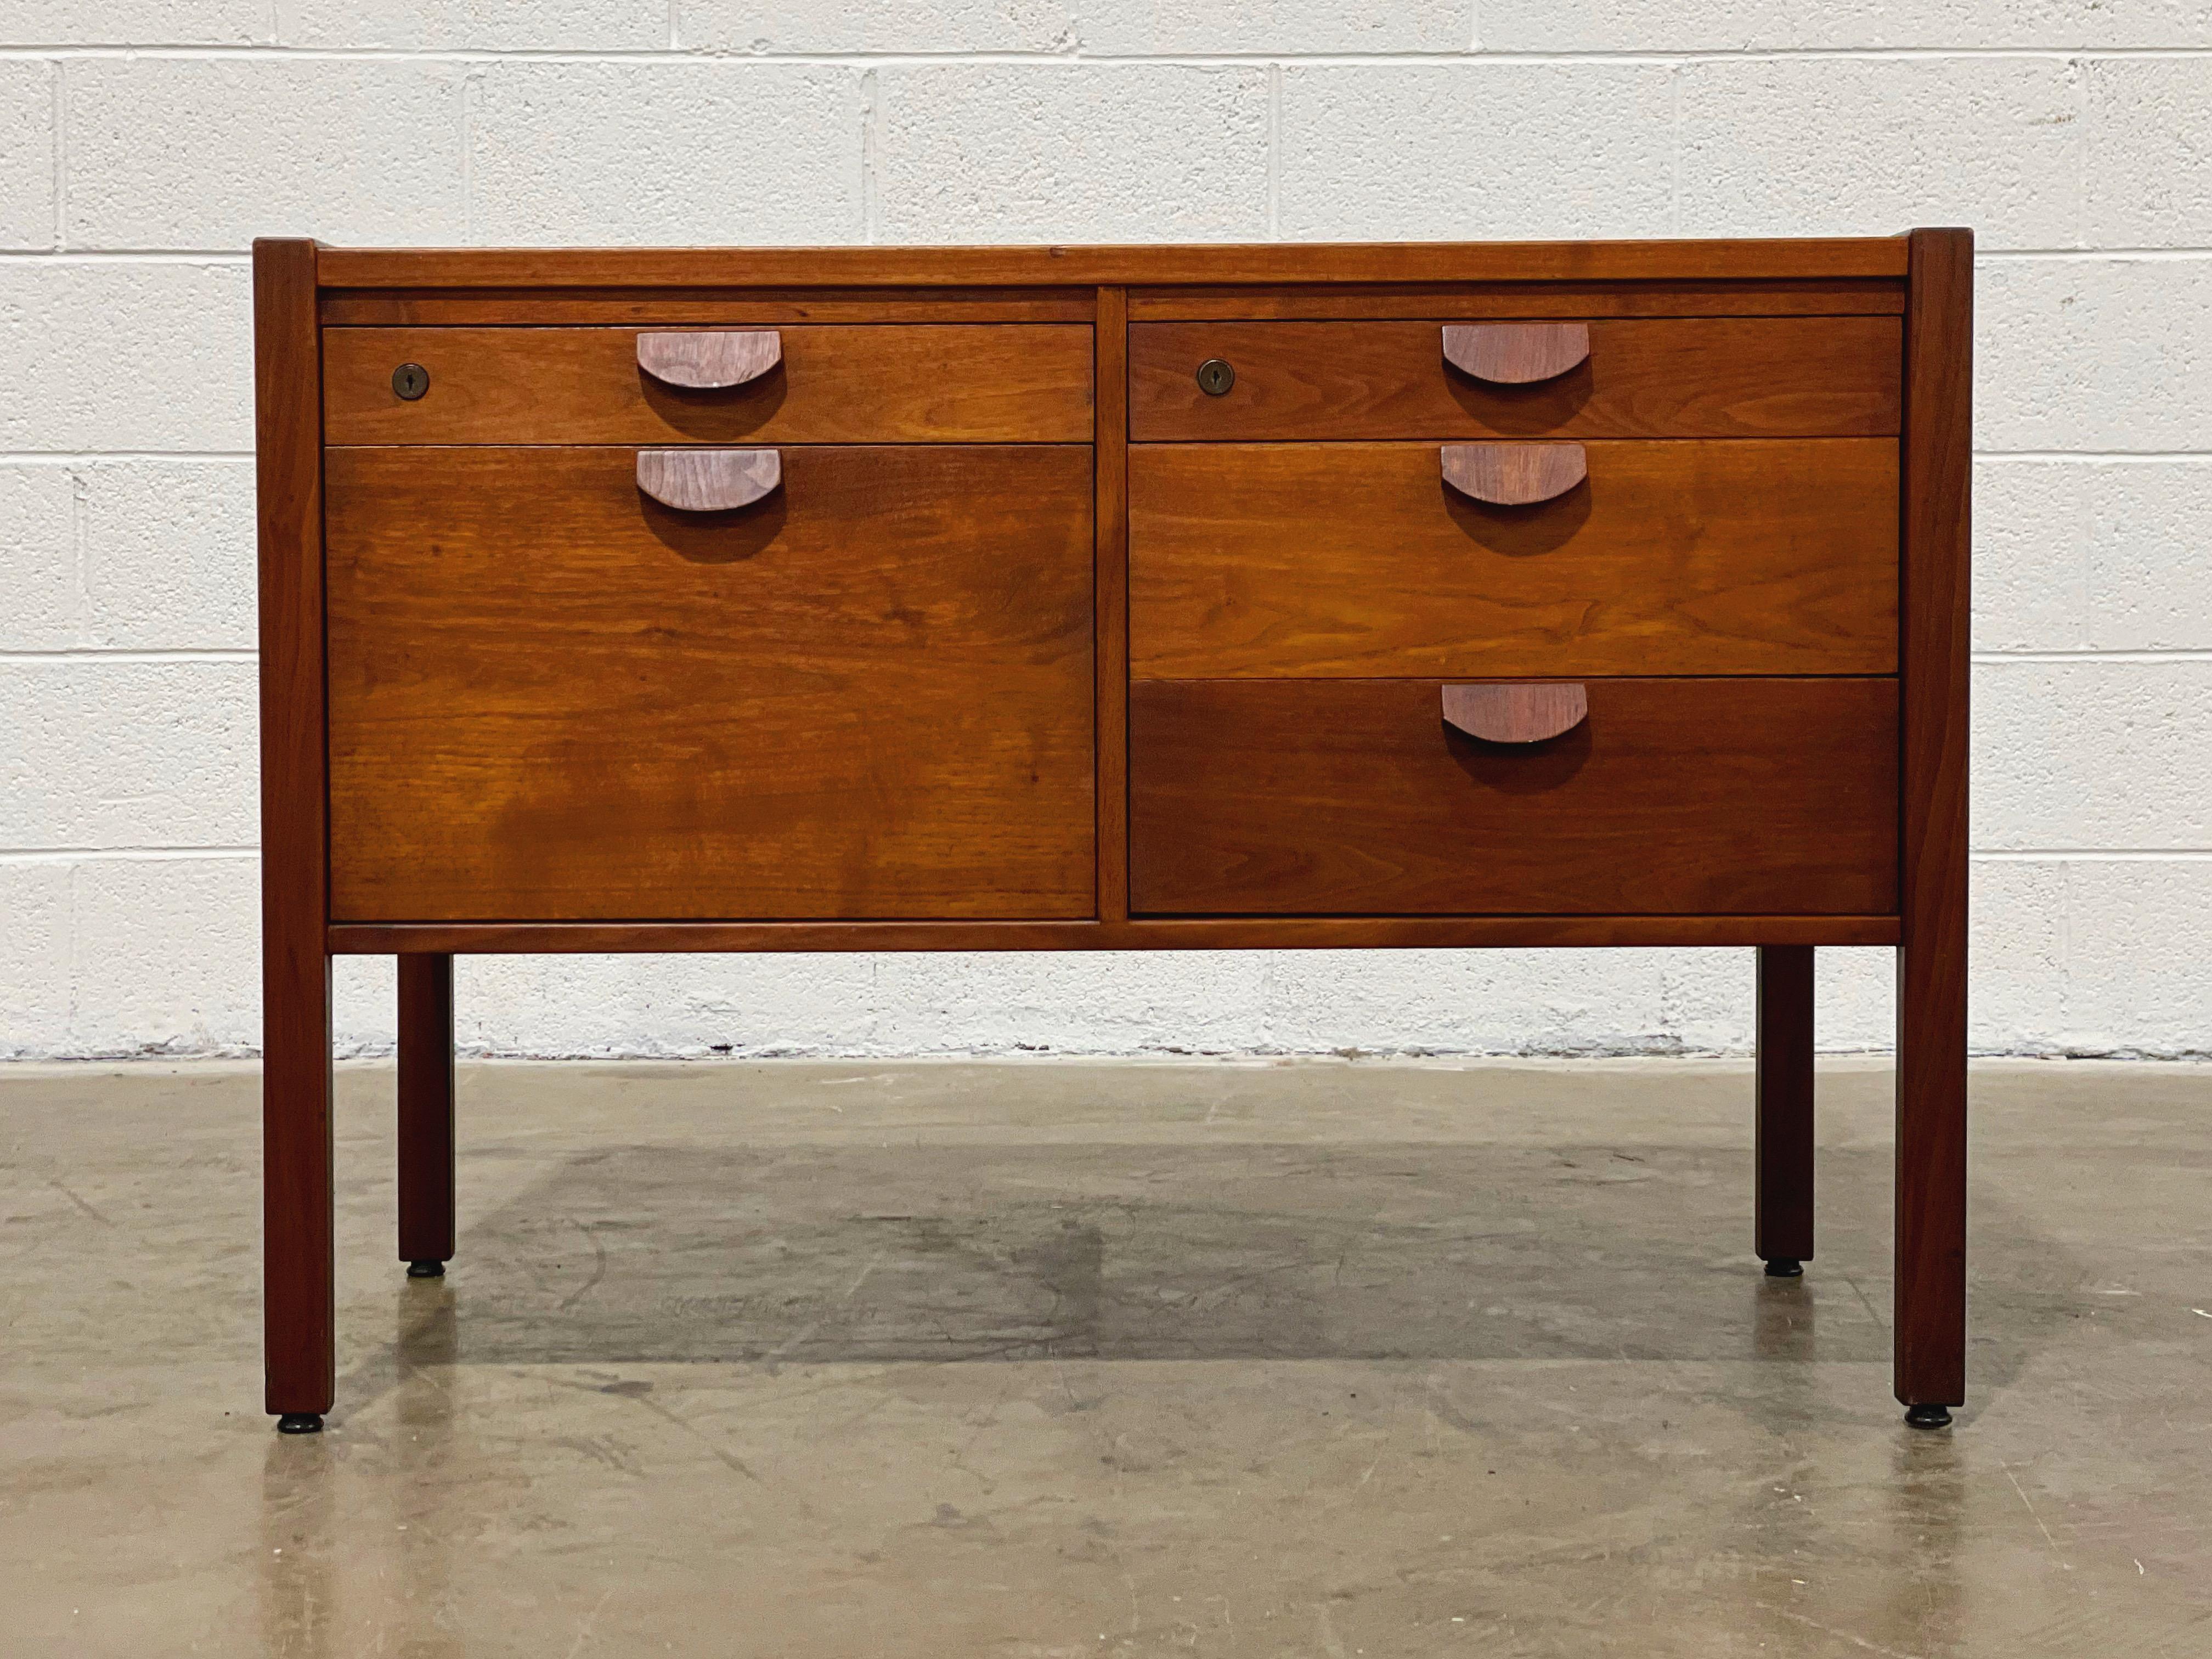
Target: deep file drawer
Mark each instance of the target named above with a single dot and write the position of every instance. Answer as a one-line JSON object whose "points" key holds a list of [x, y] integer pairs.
{"points": [[867, 694], [1356, 797]]}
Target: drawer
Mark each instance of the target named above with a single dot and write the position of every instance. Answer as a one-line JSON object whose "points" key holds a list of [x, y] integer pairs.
{"points": [[1736, 377], [1727, 556], [866, 695], [1671, 797], [890, 383]]}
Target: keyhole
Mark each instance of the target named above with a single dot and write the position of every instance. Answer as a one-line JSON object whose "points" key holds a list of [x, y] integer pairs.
{"points": [[1215, 377], [411, 380]]}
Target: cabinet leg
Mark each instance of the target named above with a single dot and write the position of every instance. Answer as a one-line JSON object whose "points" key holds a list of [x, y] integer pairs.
{"points": [[426, 1113], [299, 1288], [1931, 1180], [1784, 1136]]}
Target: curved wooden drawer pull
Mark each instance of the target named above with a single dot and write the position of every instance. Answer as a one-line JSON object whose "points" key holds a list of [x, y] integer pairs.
{"points": [[1515, 354], [1514, 475], [707, 359], [1520, 712], [708, 480]]}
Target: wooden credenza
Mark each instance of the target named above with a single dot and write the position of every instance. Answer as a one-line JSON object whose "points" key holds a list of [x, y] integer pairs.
{"points": [[1115, 599]]}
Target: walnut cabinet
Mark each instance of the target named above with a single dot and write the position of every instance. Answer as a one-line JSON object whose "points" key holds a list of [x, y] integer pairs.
{"points": [[1115, 599]]}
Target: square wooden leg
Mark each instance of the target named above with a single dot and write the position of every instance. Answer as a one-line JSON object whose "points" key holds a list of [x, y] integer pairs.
{"points": [[297, 1254], [299, 1285], [426, 1113], [1931, 1177], [1784, 1138], [1932, 867]]}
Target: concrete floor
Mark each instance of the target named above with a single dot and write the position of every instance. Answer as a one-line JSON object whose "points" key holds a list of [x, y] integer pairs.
{"points": [[1028, 1359]]}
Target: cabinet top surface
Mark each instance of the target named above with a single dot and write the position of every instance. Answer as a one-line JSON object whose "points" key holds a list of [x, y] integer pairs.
{"points": [[1773, 260]]}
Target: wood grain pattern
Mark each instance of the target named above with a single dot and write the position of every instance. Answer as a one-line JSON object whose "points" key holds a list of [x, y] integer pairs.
{"points": [[705, 308], [1931, 985], [1336, 797], [869, 697], [1782, 1228], [1837, 297], [1112, 589], [709, 359], [297, 1251], [1516, 711], [426, 1096], [1235, 933], [708, 480], [1091, 267], [894, 384], [1728, 556], [1514, 475], [1515, 354], [1761, 377]]}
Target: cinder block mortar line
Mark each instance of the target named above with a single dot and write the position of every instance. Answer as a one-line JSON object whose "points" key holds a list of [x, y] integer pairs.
{"points": [[1981, 855], [93, 256], [2100, 458], [2028, 457], [2087, 254], [101, 654], [2063, 991], [2092, 854], [120, 854], [60, 105], [872, 201], [2077, 73], [2178, 253], [471, 89], [1194, 59], [80, 543], [2185, 654], [1674, 161], [1275, 152], [73, 959], [220, 653]]}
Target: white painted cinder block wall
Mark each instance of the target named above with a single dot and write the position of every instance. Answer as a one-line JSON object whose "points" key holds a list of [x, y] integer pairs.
{"points": [[144, 142]]}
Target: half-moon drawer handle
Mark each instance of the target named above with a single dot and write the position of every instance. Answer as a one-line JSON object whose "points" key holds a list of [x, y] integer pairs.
{"points": [[1514, 475], [708, 480], [1515, 354], [707, 359], [1521, 711]]}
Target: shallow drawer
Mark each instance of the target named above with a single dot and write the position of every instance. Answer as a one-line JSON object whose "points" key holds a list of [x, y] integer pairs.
{"points": [[890, 383], [1671, 797], [1740, 376], [1735, 557], [868, 694]]}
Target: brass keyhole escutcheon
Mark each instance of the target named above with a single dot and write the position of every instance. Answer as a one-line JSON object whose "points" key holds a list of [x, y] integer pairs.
{"points": [[1215, 377], [411, 380]]}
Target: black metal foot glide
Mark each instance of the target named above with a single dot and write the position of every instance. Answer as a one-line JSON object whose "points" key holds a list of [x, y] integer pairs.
{"points": [[1928, 1416], [300, 1423], [1785, 1266], [426, 1270]]}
